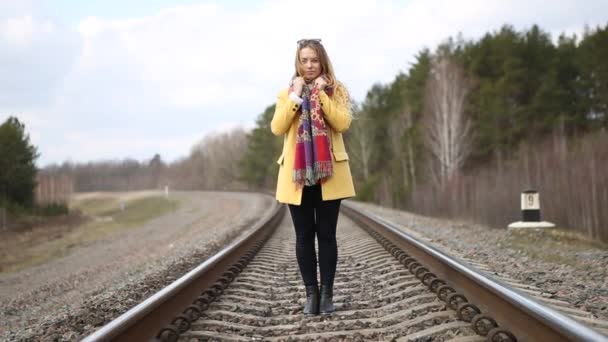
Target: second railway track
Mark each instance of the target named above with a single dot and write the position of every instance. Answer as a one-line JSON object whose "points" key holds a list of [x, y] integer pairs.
{"points": [[386, 288]]}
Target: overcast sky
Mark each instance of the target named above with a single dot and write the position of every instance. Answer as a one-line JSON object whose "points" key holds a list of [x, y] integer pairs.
{"points": [[113, 79]]}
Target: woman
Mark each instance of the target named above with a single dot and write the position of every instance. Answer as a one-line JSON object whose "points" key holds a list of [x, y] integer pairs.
{"points": [[314, 174]]}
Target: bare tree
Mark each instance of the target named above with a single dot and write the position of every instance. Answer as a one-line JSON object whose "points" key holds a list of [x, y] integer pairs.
{"points": [[446, 127], [212, 164], [398, 129], [220, 156], [53, 188], [188, 173], [360, 147], [574, 193]]}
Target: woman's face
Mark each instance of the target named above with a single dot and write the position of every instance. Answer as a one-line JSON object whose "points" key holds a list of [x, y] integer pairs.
{"points": [[309, 61]]}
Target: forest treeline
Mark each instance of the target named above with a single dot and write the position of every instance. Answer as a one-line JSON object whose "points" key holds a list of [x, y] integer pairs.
{"points": [[472, 124], [459, 133]]}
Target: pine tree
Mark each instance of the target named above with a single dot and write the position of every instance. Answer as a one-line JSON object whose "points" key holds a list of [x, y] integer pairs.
{"points": [[17, 164], [258, 166], [592, 59]]}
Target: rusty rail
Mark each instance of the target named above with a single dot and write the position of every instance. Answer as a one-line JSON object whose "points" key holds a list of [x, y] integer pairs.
{"points": [[525, 318], [143, 322]]}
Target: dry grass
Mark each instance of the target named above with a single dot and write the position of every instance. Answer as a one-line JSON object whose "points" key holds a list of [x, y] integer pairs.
{"points": [[19, 250]]}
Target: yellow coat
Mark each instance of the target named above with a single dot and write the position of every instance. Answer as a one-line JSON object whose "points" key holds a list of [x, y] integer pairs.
{"points": [[285, 122]]}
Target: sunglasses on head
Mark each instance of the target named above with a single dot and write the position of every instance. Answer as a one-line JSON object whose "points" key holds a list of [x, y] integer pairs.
{"points": [[303, 42]]}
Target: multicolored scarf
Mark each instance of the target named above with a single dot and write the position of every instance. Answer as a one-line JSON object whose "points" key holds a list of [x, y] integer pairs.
{"points": [[313, 158]]}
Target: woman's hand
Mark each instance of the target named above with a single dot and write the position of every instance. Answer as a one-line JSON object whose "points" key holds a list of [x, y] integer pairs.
{"points": [[321, 82], [298, 85]]}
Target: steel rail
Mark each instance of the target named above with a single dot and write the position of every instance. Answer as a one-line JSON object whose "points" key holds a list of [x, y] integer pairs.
{"points": [[143, 322], [525, 318]]}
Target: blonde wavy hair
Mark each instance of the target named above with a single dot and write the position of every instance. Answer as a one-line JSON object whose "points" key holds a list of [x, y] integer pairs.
{"points": [[340, 94]]}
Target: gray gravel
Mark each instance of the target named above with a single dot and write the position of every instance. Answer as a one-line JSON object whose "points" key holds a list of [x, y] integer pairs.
{"points": [[375, 296], [563, 268], [68, 298]]}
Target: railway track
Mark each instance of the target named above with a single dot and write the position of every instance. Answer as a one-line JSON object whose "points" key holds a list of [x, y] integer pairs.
{"points": [[389, 286]]}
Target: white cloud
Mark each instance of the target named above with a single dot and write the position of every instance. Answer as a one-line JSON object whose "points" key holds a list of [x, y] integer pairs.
{"points": [[18, 31], [21, 31], [35, 56], [157, 83]]}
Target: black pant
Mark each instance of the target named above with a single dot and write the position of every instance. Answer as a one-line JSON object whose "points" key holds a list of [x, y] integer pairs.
{"points": [[315, 216]]}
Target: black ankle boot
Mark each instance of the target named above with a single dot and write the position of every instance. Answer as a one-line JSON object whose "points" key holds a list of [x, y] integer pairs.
{"points": [[326, 304], [312, 300]]}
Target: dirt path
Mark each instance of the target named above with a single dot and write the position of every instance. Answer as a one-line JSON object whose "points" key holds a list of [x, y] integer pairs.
{"points": [[33, 297]]}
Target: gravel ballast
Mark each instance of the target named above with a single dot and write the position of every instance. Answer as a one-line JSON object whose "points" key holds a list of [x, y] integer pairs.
{"points": [[563, 267], [68, 298]]}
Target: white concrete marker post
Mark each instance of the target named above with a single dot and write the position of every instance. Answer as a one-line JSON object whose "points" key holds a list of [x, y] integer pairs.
{"points": [[166, 191], [530, 212]]}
